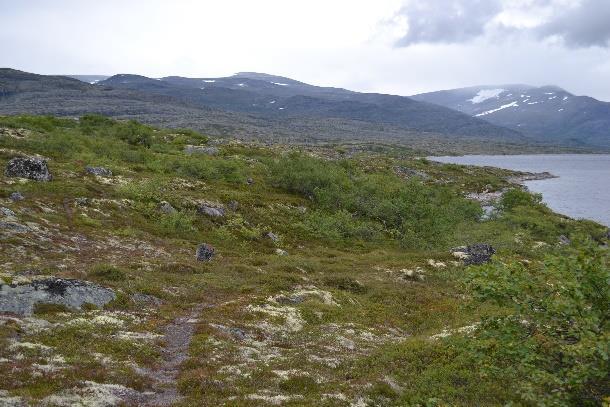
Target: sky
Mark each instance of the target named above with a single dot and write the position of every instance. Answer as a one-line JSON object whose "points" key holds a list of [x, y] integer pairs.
{"points": [[392, 46]]}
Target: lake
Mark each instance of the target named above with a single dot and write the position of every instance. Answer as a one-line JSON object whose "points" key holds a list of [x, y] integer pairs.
{"points": [[582, 189]]}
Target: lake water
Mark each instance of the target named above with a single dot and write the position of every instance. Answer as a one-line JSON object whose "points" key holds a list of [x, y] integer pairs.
{"points": [[582, 189]]}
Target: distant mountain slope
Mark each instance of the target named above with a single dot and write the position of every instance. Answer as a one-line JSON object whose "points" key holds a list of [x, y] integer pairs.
{"points": [[89, 78], [328, 114], [286, 99], [547, 113]]}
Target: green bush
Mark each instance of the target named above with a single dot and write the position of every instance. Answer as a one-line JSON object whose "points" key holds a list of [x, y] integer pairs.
{"points": [[516, 197], [554, 340]]}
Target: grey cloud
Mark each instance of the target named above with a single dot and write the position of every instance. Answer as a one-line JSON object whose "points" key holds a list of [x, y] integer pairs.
{"points": [[460, 21], [446, 21], [587, 25]]}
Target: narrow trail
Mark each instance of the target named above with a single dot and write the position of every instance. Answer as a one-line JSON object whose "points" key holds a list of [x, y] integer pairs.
{"points": [[178, 336]]}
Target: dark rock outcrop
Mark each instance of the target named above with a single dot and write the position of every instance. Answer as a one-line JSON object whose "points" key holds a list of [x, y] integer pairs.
{"points": [[16, 196], [28, 167], [210, 210], [205, 252], [99, 171], [479, 253], [20, 299]]}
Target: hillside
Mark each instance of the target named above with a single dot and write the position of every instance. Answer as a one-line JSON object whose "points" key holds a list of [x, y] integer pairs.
{"points": [[286, 99], [152, 266], [180, 106], [546, 113]]}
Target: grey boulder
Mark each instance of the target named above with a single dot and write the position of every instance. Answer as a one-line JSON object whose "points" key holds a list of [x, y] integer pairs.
{"points": [[28, 167], [99, 171], [479, 253], [20, 299], [205, 252], [213, 211]]}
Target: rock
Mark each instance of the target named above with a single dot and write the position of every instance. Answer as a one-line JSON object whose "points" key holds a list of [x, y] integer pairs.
{"points": [[189, 149], [233, 205], [272, 236], [478, 253], [146, 300], [166, 207], [14, 227], [205, 252], [82, 201], [28, 167], [249, 181], [236, 333], [216, 211], [564, 240], [289, 300], [6, 212], [410, 172], [20, 299], [16, 196], [99, 171], [281, 252]]}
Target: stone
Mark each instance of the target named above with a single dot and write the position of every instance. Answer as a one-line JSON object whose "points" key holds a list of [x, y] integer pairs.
{"points": [[82, 201], [166, 207], [6, 212], [209, 210], [479, 253], [16, 196], [564, 240], [281, 252], [14, 227], [146, 300], [20, 299], [99, 171], [249, 181], [189, 149], [272, 236], [233, 205], [205, 252], [28, 167]]}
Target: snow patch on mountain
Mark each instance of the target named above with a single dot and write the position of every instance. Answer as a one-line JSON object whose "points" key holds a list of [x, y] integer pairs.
{"points": [[512, 104], [485, 94]]}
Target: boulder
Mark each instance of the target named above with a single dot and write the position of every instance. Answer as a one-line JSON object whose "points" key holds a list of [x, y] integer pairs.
{"points": [[28, 167], [6, 212], [20, 299], [479, 253], [16, 196], [564, 240], [205, 252], [215, 211], [281, 252], [189, 149], [99, 171], [166, 207], [272, 236], [250, 181]]}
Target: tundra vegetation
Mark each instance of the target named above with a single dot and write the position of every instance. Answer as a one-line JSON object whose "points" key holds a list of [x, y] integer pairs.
{"points": [[331, 281]]}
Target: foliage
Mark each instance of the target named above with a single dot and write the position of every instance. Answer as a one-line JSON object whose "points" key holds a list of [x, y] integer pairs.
{"points": [[420, 215], [554, 340]]}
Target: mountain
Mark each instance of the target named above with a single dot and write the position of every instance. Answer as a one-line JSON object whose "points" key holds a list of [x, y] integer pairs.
{"points": [[261, 107], [92, 79], [286, 99], [548, 113]]}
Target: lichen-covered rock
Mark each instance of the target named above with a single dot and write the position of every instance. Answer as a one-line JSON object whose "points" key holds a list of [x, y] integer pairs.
{"points": [[99, 171], [166, 207], [16, 196], [189, 149], [479, 253], [564, 240], [205, 252], [28, 167], [6, 212], [20, 299], [215, 211], [272, 236]]}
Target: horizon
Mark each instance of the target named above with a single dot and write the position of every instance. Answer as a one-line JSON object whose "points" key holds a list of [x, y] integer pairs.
{"points": [[313, 84], [393, 46]]}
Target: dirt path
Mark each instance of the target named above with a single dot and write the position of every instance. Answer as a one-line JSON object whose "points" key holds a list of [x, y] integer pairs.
{"points": [[178, 336]]}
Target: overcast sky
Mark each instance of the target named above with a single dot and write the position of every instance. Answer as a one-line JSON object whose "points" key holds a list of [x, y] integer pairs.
{"points": [[391, 46]]}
